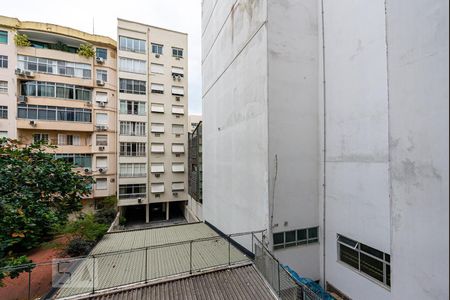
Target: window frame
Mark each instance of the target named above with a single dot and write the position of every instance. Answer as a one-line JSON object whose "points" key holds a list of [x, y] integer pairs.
{"points": [[158, 47], [101, 53], [4, 37], [3, 87], [4, 61], [3, 112], [176, 52]]}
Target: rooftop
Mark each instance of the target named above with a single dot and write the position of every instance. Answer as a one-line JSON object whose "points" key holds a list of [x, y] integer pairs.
{"points": [[243, 283], [119, 259]]}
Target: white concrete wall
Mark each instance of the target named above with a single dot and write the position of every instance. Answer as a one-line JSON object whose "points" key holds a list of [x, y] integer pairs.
{"points": [[418, 32], [293, 126], [357, 150], [235, 134]]}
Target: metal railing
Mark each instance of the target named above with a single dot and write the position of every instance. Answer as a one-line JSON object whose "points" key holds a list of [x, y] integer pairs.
{"points": [[278, 277], [69, 277]]}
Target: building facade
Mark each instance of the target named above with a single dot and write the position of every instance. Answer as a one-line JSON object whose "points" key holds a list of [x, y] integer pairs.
{"points": [[49, 92], [193, 122], [333, 137], [152, 122], [194, 209]]}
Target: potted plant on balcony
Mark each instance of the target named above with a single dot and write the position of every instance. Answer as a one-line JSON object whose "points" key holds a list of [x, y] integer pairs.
{"points": [[86, 50], [21, 40]]}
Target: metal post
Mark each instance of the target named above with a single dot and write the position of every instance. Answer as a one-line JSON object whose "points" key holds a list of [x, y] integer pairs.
{"points": [[229, 250], [190, 257], [29, 285], [279, 284], [146, 265], [93, 274]]}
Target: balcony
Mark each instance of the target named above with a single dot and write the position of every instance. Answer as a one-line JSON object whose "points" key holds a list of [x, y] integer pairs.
{"points": [[54, 125]]}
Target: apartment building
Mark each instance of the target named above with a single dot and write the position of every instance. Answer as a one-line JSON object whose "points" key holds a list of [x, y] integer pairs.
{"points": [[327, 125], [194, 209], [49, 92], [152, 122], [193, 122]]}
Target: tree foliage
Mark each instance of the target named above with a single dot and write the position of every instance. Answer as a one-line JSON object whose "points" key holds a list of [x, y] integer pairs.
{"points": [[21, 40], [37, 193], [86, 50]]}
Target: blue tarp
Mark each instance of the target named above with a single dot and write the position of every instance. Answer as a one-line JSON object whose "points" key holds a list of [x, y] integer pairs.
{"points": [[311, 284]]}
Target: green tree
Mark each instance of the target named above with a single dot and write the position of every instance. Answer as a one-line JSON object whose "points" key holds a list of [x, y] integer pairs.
{"points": [[37, 194]]}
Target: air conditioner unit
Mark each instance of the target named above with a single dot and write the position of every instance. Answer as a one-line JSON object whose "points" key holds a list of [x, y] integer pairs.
{"points": [[100, 60], [101, 148], [102, 104], [174, 77], [89, 103], [178, 98], [157, 55], [33, 123], [177, 58], [178, 135], [29, 74], [19, 72], [23, 99], [175, 194], [87, 170], [102, 127], [179, 77], [103, 170], [157, 175], [100, 82], [157, 135], [139, 200]]}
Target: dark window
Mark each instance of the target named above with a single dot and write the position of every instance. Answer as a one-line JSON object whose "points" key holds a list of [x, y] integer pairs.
{"points": [[157, 49], [102, 53], [349, 256], [3, 37], [3, 61], [3, 112], [177, 52]]}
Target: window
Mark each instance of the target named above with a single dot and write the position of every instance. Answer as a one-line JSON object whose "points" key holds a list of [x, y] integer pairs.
{"points": [[78, 160], [101, 184], [177, 52], [69, 140], [132, 170], [157, 68], [132, 65], [157, 88], [294, 238], [4, 87], [177, 109], [157, 168], [101, 140], [101, 119], [3, 37], [176, 71], [157, 49], [128, 128], [53, 113], [101, 97], [158, 128], [178, 186], [54, 67], [55, 90], [40, 137], [370, 261], [157, 108], [177, 90], [132, 45], [158, 148], [157, 188], [129, 86], [132, 149], [3, 134], [102, 162], [137, 108], [102, 53], [177, 129], [132, 191], [3, 112], [3, 61], [178, 148], [178, 168], [102, 75]]}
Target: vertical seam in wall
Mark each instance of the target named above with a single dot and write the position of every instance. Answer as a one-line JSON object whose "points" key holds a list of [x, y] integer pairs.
{"points": [[389, 131], [324, 144], [271, 201]]}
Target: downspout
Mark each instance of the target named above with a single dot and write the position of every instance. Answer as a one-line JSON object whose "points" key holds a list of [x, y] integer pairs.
{"points": [[324, 145]]}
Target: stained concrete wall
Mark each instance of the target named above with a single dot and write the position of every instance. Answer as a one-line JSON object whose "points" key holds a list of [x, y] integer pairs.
{"points": [[293, 126], [417, 37], [357, 144], [235, 134]]}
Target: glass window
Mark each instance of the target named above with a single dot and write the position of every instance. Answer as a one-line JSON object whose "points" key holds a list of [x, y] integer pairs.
{"points": [[157, 49], [102, 140], [349, 256], [101, 184], [302, 236], [4, 87], [102, 53], [278, 238], [3, 61], [102, 75], [3, 37], [177, 52], [313, 234], [130, 44], [290, 238], [129, 86], [3, 112]]}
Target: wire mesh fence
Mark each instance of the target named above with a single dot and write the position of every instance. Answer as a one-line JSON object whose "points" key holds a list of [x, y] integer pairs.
{"points": [[278, 277], [69, 277]]}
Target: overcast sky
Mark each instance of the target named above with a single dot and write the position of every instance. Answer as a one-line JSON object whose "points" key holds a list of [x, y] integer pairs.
{"points": [[180, 15]]}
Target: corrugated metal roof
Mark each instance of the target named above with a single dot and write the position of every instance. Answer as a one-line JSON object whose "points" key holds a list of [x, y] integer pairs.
{"points": [[109, 269], [243, 283]]}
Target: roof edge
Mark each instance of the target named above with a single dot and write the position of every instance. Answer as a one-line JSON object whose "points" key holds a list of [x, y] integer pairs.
{"points": [[151, 26]]}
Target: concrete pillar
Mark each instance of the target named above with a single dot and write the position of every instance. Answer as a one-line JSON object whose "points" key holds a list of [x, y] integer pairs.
{"points": [[167, 211], [147, 213]]}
